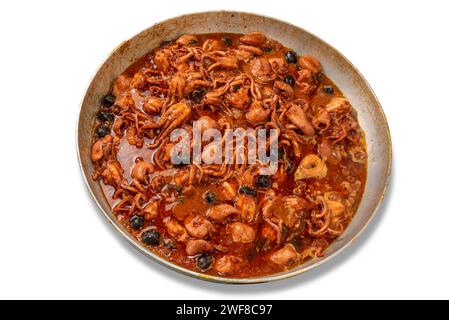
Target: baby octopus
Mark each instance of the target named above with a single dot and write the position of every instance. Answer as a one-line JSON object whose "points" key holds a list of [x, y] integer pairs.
{"points": [[198, 226], [227, 264], [261, 70], [242, 233], [285, 256], [244, 217], [141, 171], [220, 212], [298, 117], [311, 166], [194, 247], [175, 116], [224, 62], [99, 148]]}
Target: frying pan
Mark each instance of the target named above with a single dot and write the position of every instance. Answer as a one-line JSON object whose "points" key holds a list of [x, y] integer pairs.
{"points": [[336, 67]]}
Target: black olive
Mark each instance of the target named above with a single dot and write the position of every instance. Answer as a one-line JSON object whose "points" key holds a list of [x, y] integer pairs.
{"points": [[263, 181], [289, 80], [204, 261], [210, 197], [197, 95], [236, 87], [102, 131], [328, 89], [151, 237], [105, 116], [248, 190], [136, 222], [291, 57], [227, 41], [108, 100], [267, 49]]}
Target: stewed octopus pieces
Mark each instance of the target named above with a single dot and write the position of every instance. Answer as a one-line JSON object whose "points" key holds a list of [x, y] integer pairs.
{"points": [[229, 219]]}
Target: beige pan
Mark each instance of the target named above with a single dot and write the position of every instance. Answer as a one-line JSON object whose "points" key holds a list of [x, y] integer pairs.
{"points": [[336, 67]]}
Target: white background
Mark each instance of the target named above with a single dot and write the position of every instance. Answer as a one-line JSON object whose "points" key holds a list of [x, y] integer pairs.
{"points": [[55, 244]]}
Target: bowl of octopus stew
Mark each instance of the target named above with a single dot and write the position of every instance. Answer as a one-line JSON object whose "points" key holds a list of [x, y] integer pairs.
{"points": [[233, 147]]}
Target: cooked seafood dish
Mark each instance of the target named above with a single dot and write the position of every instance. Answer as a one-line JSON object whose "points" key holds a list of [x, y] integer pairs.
{"points": [[181, 144]]}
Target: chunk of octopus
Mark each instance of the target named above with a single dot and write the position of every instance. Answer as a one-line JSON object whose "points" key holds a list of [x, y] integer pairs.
{"points": [[211, 45], [239, 99], [336, 208], [226, 264], [138, 81], [298, 117], [241, 232], [153, 106], [338, 105], [285, 256], [222, 211], [311, 166], [255, 39], [181, 177], [213, 99], [187, 40], [161, 59], [293, 205], [358, 155], [150, 211], [283, 89], [142, 170], [268, 233], [212, 153], [121, 85], [205, 122], [194, 247], [253, 50], [278, 65], [167, 152], [177, 86], [227, 63], [273, 223], [198, 226], [305, 76], [248, 207], [192, 85], [261, 70], [97, 152], [174, 116], [310, 63], [257, 114], [325, 150], [133, 137], [227, 191], [113, 174], [322, 120], [118, 126], [246, 53], [176, 230]]}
